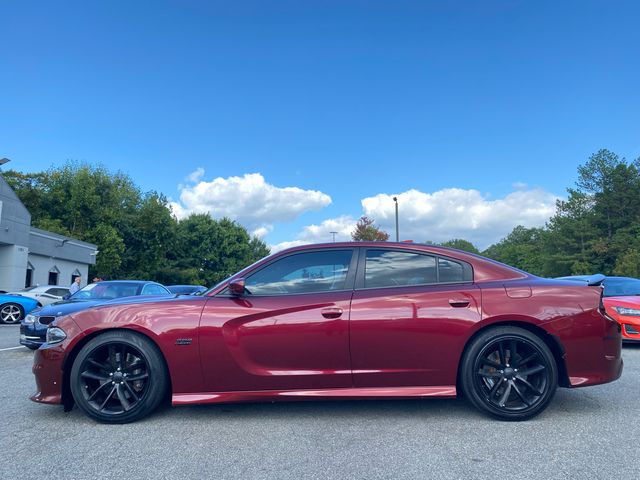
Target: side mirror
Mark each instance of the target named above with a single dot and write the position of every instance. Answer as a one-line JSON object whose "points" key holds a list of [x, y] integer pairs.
{"points": [[236, 287]]}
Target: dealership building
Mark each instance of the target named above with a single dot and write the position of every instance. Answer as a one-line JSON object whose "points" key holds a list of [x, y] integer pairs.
{"points": [[31, 256]]}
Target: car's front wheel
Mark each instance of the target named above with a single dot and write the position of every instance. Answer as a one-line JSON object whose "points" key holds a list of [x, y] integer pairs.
{"points": [[509, 373], [11, 313], [118, 377]]}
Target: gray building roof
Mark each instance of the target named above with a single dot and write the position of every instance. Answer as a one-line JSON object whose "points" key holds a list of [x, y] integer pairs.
{"points": [[16, 229]]}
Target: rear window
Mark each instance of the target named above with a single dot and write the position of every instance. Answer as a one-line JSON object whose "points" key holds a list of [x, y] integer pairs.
{"points": [[392, 268]]}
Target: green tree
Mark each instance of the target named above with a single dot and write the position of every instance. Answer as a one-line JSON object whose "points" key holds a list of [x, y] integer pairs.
{"points": [[461, 244], [150, 236], [366, 231], [521, 249], [596, 229], [210, 250], [136, 233], [628, 265]]}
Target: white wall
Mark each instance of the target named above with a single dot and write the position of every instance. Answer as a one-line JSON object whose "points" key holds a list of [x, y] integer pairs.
{"points": [[42, 265]]}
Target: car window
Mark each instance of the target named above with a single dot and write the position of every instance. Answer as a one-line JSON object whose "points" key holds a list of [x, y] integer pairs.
{"points": [[106, 291], [621, 287], [391, 268], [154, 289], [388, 268], [58, 292], [449, 271], [302, 273]]}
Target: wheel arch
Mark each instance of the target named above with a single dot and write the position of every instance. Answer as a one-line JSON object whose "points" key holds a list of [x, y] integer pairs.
{"points": [[67, 397], [550, 340]]}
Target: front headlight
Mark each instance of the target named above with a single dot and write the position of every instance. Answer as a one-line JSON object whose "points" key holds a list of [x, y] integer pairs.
{"points": [[29, 319], [631, 312], [55, 335]]}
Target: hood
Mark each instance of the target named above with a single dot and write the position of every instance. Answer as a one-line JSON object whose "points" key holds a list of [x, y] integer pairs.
{"points": [[630, 301], [67, 307]]}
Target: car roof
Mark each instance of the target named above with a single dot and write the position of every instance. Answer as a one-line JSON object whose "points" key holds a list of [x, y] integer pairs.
{"points": [[41, 288], [137, 282]]}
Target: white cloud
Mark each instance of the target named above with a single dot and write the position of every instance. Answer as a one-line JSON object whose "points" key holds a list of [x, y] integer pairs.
{"points": [[249, 199], [196, 175], [261, 232], [440, 216], [284, 245], [342, 226], [458, 213]]}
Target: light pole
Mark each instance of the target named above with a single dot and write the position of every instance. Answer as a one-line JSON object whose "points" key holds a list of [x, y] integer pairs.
{"points": [[334, 236], [395, 199]]}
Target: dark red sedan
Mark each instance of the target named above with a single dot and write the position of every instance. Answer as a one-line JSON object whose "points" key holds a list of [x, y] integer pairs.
{"points": [[343, 320]]}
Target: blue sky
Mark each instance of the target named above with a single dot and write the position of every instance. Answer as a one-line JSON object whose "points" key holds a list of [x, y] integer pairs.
{"points": [[475, 113]]}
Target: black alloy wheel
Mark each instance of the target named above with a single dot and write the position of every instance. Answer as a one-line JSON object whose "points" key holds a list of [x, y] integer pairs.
{"points": [[118, 377], [509, 373]]}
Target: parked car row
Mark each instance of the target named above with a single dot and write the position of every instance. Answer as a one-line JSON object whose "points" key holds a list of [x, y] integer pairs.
{"points": [[33, 327], [15, 306]]}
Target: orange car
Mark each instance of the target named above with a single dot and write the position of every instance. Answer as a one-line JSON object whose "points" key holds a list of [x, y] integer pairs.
{"points": [[621, 300]]}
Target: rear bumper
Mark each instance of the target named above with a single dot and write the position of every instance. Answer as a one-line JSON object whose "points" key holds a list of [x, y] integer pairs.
{"points": [[592, 346]]}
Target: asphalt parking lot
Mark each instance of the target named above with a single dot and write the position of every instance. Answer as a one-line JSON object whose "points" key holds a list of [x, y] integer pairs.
{"points": [[585, 433]]}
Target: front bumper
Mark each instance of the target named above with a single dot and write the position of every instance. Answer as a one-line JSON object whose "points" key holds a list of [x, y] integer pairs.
{"points": [[47, 368], [32, 335], [630, 329]]}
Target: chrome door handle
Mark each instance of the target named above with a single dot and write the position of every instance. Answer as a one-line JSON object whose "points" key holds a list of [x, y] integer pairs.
{"points": [[459, 302], [333, 312]]}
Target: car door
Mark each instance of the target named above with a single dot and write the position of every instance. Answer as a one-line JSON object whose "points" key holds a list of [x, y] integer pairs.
{"points": [[407, 314], [290, 330]]}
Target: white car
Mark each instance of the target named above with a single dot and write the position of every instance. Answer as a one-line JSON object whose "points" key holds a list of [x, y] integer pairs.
{"points": [[44, 294]]}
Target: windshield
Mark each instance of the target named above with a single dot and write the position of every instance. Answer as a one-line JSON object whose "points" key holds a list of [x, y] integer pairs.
{"points": [[107, 291], [206, 292], [621, 287]]}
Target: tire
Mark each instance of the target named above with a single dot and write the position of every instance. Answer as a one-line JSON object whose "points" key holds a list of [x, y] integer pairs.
{"points": [[11, 313], [509, 373], [118, 377]]}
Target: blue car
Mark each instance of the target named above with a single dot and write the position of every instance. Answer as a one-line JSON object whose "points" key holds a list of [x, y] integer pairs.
{"points": [[13, 308], [33, 329], [187, 289]]}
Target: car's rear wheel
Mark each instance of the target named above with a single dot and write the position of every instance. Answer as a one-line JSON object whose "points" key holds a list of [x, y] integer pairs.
{"points": [[118, 377], [509, 373], [11, 313]]}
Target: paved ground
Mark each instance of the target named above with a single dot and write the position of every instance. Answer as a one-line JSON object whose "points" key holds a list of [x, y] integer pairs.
{"points": [[587, 433]]}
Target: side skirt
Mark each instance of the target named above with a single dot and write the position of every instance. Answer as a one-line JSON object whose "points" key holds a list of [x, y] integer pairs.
{"points": [[445, 391]]}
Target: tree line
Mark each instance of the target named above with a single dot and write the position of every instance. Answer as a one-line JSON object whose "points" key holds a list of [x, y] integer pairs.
{"points": [[595, 230], [136, 232]]}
